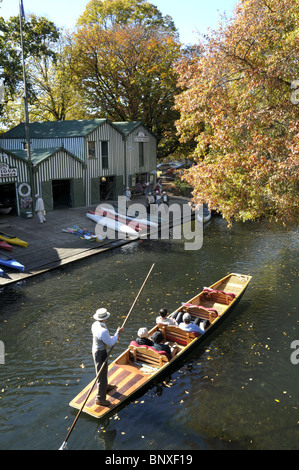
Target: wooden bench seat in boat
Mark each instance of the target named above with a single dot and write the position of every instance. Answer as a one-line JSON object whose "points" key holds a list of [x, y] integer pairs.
{"points": [[199, 311], [147, 355], [177, 335], [218, 296]]}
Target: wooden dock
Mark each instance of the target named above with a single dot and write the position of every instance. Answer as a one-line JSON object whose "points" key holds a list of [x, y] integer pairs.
{"points": [[48, 246]]}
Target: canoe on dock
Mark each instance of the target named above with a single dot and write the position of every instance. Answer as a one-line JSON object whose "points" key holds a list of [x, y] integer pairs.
{"points": [[113, 225], [5, 246], [9, 262], [105, 212], [12, 239], [138, 367]]}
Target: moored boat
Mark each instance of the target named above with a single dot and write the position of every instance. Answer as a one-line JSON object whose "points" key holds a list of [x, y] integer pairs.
{"points": [[5, 246], [113, 225], [12, 239], [204, 215], [9, 262], [5, 210], [142, 223], [1, 272], [102, 211], [138, 367]]}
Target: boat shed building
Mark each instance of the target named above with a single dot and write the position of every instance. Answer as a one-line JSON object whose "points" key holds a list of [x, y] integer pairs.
{"points": [[75, 163]]}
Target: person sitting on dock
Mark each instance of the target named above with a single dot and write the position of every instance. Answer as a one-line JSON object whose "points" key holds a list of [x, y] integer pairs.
{"points": [[160, 346], [163, 320], [187, 325], [101, 340], [142, 338]]}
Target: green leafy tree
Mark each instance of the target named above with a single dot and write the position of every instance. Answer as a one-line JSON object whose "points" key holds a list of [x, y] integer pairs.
{"points": [[39, 35], [123, 56], [56, 97], [110, 13]]}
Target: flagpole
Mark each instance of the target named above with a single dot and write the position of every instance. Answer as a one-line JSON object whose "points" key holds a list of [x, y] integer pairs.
{"points": [[27, 133]]}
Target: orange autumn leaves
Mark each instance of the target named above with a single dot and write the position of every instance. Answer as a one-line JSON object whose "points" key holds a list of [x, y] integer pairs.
{"points": [[236, 105]]}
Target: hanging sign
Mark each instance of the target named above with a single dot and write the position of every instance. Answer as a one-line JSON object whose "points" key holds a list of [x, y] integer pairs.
{"points": [[141, 137], [6, 172]]}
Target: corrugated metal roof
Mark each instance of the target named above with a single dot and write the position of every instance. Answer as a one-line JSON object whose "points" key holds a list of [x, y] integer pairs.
{"points": [[127, 127], [68, 129], [55, 129], [37, 155]]}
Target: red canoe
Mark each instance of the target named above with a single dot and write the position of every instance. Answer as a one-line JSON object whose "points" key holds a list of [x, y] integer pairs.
{"points": [[5, 246]]}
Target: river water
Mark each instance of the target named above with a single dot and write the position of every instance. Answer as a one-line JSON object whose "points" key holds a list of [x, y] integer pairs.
{"points": [[238, 390]]}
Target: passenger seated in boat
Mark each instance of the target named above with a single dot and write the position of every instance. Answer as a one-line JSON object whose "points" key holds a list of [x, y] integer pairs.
{"points": [[142, 338], [162, 320], [159, 346], [187, 325], [203, 324]]}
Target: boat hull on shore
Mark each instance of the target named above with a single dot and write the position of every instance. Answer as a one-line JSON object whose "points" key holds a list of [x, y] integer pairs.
{"points": [[132, 221], [9, 262], [5, 246], [137, 368], [12, 239], [113, 225]]}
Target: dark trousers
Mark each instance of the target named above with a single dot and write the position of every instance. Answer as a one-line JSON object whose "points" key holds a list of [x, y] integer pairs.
{"points": [[99, 358]]}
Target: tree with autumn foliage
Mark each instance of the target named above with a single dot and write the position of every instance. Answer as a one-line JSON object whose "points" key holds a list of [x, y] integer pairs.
{"points": [[123, 54], [237, 107]]}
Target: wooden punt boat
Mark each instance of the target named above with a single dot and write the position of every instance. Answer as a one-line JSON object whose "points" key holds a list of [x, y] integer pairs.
{"points": [[12, 239], [138, 367]]}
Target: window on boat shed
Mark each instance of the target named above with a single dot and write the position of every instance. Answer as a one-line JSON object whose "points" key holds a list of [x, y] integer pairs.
{"points": [[141, 154], [91, 149], [104, 151]]}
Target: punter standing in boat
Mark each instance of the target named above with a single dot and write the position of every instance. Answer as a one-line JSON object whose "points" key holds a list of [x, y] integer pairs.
{"points": [[40, 209], [101, 341]]}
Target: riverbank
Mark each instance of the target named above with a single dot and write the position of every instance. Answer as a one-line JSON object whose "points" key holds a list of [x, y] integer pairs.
{"points": [[49, 247]]}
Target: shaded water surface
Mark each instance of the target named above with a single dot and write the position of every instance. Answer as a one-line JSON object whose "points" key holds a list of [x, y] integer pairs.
{"points": [[239, 390]]}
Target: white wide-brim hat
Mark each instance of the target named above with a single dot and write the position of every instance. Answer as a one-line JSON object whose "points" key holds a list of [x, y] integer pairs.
{"points": [[101, 314]]}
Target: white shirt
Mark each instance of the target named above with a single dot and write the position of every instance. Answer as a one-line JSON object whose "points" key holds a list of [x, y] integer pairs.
{"points": [[165, 321], [101, 337]]}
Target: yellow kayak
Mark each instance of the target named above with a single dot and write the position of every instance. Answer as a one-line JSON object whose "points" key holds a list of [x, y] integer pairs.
{"points": [[12, 239]]}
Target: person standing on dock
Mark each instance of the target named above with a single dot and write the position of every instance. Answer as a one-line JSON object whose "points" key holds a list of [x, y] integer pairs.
{"points": [[40, 209], [101, 340], [128, 195]]}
